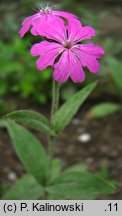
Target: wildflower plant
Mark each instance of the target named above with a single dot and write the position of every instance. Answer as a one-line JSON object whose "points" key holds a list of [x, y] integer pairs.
{"points": [[63, 50]]}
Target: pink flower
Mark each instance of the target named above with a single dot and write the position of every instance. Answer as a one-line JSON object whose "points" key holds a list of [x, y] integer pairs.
{"points": [[41, 18], [65, 53]]}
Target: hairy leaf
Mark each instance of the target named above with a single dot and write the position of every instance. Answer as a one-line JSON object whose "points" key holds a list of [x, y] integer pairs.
{"points": [[32, 119], [64, 115], [29, 150], [26, 188]]}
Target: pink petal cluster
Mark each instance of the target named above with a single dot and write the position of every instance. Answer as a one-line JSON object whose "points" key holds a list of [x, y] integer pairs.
{"points": [[62, 48], [43, 17]]}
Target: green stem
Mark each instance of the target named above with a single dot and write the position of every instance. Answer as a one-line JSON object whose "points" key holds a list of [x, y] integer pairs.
{"points": [[55, 99], [54, 108]]}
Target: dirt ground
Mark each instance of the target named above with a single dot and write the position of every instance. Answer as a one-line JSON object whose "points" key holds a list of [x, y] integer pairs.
{"points": [[103, 147]]}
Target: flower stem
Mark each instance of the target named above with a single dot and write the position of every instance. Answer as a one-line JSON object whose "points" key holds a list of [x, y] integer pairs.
{"points": [[55, 99], [54, 108]]}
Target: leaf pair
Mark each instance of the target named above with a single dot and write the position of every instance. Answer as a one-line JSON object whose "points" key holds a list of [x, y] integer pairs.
{"points": [[68, 185], [62, 117]]}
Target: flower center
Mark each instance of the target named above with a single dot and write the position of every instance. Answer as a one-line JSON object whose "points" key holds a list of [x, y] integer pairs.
{"points": [[45, 10], [68, 45]]}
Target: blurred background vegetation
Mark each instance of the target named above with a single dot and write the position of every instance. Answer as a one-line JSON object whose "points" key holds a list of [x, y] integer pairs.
{"points": [[23, 86]]}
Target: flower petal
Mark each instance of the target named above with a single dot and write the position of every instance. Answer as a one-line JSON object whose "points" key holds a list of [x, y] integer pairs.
{"points": [[77, 32], [36, 23], [68, 65], [86, 32], [77, 73], [88, 60], [61, 68], [74, 27], [48, 52], [52, 27], [93, 50], [27, 24], [66, 15]]}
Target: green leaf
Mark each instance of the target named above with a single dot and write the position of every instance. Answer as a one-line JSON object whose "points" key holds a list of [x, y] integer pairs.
{"points": [[29, 150], [64, 115], [103, 109], [26, 188], [82, 167], [32, 119], [79, 185], [56, 168]]}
